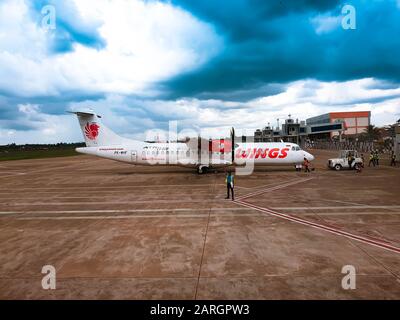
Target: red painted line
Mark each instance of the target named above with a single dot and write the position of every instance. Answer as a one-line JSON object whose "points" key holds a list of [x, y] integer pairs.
{"points": [[349, 235]]}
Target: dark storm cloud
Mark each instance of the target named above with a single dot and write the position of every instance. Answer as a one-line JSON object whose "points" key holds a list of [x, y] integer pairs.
{"points": [[244, 19], [276, 42]]}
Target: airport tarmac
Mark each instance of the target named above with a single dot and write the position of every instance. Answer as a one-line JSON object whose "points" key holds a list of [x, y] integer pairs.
{"points": [[115, 231]]}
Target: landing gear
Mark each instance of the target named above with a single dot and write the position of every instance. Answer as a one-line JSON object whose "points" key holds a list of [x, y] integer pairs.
{"points": [[202, 169]]}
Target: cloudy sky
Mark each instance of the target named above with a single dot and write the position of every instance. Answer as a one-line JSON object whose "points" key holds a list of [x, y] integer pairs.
{"points": [[207, 64]]}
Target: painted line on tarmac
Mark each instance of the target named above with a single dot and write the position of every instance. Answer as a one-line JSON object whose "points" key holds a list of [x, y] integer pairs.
{"points": [[11, 174], [155, 201], [376, 243], [337, 207], [203, 215], [277, 187], [87, 198], [115, 217], [345, 202], [119, 211], [75, 188], [353, 213], [51, 168], [201, 201]]}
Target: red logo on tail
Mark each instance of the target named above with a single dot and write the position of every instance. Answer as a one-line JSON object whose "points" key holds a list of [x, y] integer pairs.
{"points": [[92, 130]]}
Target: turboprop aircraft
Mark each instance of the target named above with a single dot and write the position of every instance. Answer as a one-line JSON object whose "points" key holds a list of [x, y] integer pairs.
{"points": [[197, 153]]}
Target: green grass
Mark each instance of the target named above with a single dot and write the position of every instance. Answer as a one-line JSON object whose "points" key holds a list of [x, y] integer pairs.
{"points": [[36, 154]]}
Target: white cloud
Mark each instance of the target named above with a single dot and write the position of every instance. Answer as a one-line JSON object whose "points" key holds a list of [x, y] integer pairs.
{"points": [[136, 117], [146, 42], [329, 93], [325, 23]]}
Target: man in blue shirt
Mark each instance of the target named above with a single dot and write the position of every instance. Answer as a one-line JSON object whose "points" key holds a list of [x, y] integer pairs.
{"points": [[229, 184]]}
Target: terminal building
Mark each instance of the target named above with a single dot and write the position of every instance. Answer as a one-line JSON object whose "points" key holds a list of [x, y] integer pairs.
{"points": [[355, 122], [325, 126], [396, 146]]}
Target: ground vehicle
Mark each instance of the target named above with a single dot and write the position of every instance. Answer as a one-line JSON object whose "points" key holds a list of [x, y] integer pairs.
{"points": [[342, 162]]}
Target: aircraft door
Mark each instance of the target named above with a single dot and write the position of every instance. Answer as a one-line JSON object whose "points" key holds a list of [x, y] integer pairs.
{"points": [[133, 156]]}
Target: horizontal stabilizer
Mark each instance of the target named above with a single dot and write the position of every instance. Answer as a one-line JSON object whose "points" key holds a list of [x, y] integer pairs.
{"points": [[84, 114]]}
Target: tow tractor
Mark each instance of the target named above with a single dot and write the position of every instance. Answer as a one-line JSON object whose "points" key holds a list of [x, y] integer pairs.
{"points": [[342, 162]]}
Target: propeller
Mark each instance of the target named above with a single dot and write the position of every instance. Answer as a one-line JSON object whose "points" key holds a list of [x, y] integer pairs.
{"points": [[233, 143]]}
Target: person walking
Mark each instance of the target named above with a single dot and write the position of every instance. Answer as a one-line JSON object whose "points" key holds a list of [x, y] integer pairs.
{"points": [[306, 164], [229, 185], [393, 159]]}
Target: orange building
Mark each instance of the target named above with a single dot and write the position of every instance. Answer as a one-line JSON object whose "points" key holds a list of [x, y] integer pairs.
{"points": [[355, 122]]}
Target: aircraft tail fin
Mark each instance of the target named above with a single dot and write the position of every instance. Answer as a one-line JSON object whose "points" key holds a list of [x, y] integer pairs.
{"points": [[95, 133]]}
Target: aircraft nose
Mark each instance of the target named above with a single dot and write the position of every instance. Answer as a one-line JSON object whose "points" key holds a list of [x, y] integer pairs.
{"points": [[309, 156]]}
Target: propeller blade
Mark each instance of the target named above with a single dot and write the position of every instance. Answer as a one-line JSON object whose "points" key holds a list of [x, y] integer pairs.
{"points": [[233, 144]]}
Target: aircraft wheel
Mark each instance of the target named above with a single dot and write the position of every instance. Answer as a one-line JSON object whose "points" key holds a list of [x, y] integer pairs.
{"points": [[202, 169]]}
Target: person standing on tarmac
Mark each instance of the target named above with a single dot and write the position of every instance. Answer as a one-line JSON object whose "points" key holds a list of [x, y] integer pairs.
{"points": [[350, 160], [229, 185], [377, 157], [371, 159], [393, 159]]}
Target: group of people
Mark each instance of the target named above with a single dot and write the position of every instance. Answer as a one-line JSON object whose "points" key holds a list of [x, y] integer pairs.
{"points": [[374, 158]]}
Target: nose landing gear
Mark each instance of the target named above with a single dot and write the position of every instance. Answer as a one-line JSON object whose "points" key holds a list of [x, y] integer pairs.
{"points": [[202, 169]]}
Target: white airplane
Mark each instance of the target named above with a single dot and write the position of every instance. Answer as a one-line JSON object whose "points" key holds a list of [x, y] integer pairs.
{"points": [[103, 142]]}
